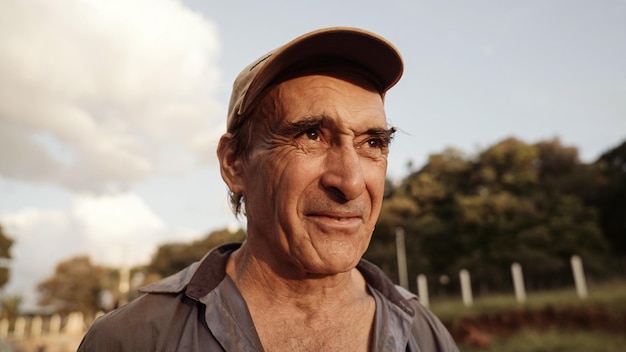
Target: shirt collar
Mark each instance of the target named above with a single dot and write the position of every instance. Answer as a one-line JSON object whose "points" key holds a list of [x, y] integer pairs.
{"points": [[204, 276]]}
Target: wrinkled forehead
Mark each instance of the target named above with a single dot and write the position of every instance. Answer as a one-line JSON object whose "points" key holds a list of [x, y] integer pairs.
{"points": [[340, 101], [330, 66], [268, 109]]}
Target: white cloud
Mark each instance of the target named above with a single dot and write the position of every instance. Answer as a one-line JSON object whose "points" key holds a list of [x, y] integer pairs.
{"points": [[116, 227], [96, 95], [112, 230], [487, 50]]}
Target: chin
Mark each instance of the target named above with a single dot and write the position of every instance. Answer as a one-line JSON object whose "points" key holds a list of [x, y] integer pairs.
{"points": [[339, 262]]}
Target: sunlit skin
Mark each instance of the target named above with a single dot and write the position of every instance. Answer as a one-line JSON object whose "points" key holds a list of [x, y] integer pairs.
{"points": [[313, 185], [314, 180]]}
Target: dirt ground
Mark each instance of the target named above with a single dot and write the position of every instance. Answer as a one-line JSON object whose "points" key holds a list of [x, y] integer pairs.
{"points": [[478, 330], [474, 330]]}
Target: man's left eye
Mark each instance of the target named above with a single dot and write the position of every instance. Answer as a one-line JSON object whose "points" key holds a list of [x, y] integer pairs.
{"points": [[376, 143]]}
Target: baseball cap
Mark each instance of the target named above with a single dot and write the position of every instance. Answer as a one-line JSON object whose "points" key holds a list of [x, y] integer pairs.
{"points": [[354, 45]]}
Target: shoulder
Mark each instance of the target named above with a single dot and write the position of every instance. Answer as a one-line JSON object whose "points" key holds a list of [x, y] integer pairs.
{"points": [[109, 331], [427, 330], [167, 309], [427, 333], [138, 325]]}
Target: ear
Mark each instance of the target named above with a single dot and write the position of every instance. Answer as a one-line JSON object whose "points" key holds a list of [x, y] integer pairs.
{"points": [[230, 164]]}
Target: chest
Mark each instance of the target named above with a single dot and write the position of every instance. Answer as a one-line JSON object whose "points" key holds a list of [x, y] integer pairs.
{"points": [[337, 332]]}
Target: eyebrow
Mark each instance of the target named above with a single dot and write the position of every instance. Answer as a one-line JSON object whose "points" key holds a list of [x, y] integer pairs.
{"points": [[304, 124], [318, 121], [385, 134]]}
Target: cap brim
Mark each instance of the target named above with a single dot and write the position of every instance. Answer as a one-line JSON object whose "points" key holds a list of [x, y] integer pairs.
{"points": [[361, 47]]}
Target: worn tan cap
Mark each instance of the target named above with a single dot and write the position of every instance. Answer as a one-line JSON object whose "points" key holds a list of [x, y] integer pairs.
{"points": [[353, 45]]}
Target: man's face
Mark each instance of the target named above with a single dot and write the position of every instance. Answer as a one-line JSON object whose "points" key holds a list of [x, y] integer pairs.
{"points": [[314, 179]]}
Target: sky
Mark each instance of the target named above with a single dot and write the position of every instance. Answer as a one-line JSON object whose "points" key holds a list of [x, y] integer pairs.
{"points": [[110, 111]]}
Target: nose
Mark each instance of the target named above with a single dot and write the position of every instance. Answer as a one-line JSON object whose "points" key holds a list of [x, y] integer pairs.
{"points": [[343, 174]]}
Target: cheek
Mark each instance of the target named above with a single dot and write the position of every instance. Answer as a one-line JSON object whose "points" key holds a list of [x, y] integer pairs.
{"points": [[375, 175], [300, 179], [276, 177]]}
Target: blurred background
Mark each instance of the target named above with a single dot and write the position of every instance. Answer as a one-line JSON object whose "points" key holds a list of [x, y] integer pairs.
{"points": [[511, 149]]}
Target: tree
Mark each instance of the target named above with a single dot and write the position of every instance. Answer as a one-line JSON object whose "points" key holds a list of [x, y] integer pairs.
{"points": [[5, 257], [420, 205], [10, 307], [610, 197], [514, 202], [173, 257], [76, 286]]}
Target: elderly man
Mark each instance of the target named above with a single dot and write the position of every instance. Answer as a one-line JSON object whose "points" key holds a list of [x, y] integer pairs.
{"points": [[305, 159]]}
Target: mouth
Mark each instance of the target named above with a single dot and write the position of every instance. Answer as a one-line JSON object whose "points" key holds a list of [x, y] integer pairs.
{"points": [[336, 219]]}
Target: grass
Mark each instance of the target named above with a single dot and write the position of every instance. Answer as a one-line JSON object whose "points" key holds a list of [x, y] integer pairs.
{"points": [[609, 294], [609, 297], [554, 340]]}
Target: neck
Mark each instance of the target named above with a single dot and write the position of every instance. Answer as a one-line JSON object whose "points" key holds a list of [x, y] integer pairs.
{"points": [[256, 278]]}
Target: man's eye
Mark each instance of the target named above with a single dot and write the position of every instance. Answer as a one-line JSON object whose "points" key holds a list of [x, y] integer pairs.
{"points": [[313, 135], [376, 143]]}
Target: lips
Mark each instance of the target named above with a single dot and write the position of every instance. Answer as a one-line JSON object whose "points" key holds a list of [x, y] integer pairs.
{"points": [[336, 214], [329, 220]]}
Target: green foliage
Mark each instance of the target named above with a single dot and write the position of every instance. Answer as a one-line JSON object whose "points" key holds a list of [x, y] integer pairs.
{"points": [[610, 197], [10, 307], [514, 202], [173, 257], [554, 320], [608, 296], [554, 340], [79, 285], [5, 256], [5, 245], [76, 286], [511, 164]]}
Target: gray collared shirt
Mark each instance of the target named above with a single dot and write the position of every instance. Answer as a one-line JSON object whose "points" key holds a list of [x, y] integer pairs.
{"points": [[201, 309]]}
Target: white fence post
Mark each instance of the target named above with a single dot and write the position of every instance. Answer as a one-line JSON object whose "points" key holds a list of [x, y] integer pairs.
{"points": [[401, 253], [466, 287], [422, 289], [579, 276], [124, 285], [518, 282], [36, 326], [74, 324], [55, 325], [4, 328], [20, 327]]}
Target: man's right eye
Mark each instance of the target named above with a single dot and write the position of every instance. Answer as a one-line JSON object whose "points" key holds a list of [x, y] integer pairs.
{"points": [[312, 134]]}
